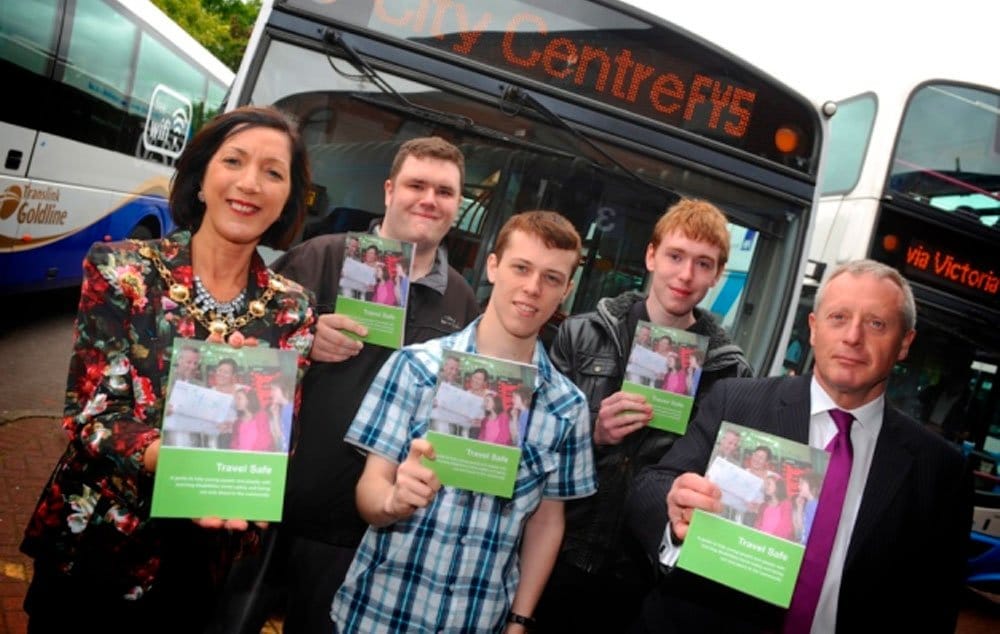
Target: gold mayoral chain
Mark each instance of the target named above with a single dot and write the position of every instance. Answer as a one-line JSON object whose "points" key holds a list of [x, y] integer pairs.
{"points": [[215, 323]]}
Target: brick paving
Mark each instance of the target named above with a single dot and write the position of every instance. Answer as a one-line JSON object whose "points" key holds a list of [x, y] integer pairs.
{"points": [[29, 447]]}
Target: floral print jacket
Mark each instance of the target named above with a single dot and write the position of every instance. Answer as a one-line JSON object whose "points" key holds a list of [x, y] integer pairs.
{"points": [[93, 514]]}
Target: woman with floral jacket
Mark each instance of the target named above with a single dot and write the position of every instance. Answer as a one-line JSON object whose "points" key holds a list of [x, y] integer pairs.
{"points": [[240, 182]]}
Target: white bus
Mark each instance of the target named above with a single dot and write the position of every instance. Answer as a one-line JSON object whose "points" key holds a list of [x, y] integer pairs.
{"points": [[595, 109], [99, 99], [912, 179]]}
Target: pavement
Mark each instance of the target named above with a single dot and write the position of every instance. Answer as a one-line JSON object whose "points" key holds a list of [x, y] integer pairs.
{"points": [[29, 448]]}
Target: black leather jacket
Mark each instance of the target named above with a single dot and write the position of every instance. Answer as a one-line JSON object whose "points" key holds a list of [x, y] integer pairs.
{"points": [[591, 349]]}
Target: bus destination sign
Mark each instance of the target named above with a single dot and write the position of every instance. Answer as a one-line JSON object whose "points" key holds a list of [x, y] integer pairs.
{"points": [[939, 257], [595, 52]]}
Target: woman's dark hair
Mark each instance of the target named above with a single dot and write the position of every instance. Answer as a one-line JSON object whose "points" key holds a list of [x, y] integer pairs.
{"points": [[497, 403], [780, 489], [188, 212], [253, 403]]}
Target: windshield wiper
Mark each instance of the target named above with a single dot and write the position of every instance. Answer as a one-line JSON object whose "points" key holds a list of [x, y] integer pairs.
{"points": [[404, 105], [523, 97], [333, 37]]}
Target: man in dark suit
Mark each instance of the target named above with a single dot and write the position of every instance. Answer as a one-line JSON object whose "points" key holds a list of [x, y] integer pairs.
{"points": [[898, 546]]}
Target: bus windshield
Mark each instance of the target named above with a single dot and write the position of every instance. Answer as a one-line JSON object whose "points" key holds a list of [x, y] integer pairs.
{"points": [[948, 154], [361, 80]]}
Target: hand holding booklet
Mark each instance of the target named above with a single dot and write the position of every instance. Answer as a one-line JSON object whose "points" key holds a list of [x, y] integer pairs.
{"points": [[478, 419], [664, 366], [374, 286], [770, 487], [225, 432]]}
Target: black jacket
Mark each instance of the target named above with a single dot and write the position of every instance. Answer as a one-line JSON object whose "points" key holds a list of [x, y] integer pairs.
{"points": [[592, 349]]}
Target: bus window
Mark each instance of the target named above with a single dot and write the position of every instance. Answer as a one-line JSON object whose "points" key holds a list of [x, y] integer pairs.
{"points": [[98, 71], [28, 34], [27, 51], [850, 132], [948, 152]]}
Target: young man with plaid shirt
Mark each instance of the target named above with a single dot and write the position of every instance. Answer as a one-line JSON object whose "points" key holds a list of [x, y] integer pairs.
{"points": [[445, 559]]}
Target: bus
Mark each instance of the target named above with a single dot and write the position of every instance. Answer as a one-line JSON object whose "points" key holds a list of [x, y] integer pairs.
{"points": [[596, 109], [101, 97], [912, 179]]}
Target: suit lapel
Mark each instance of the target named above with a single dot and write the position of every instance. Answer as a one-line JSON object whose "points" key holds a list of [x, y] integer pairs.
{"points": [[791, 414], [891, 464]]}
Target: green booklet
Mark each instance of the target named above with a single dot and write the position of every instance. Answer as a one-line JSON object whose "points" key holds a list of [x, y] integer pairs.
{"points": [[664, 366], [770, 489], [479, 416], [374, 286], [226, 432]]}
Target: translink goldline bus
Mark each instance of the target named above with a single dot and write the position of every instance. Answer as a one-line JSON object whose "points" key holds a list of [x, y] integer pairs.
{"points": [[594, 109], [100, 97], [912, 179]]}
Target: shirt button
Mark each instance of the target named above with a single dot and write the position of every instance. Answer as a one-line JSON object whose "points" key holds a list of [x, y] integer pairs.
{"points": [[597, 368]]}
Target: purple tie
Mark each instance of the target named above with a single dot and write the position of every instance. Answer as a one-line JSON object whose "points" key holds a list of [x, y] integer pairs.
{"points": [[800, 614]]}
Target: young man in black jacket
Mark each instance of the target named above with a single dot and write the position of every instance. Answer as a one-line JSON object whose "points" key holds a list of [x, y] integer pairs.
{"points": [[601, 576]]}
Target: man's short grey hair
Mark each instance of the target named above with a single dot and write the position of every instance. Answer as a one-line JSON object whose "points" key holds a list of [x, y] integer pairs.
{"points": [[882, 272]]}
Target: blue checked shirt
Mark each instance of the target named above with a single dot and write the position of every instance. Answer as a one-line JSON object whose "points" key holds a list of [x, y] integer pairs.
{"points": [[453, 566]]}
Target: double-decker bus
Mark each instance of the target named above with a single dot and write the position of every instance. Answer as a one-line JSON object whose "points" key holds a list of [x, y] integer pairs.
{"points": [[912, 179], [100, 98], [592, 108]]}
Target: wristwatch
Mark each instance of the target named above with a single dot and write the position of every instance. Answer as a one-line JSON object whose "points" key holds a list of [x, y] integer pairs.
{"points": [[520, 619]]}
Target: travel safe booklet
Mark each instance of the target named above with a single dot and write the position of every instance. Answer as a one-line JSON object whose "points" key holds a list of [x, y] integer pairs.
{"points": [[225, 433], [374, 285], [478, 419], [770, 490], [664, 366]]}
